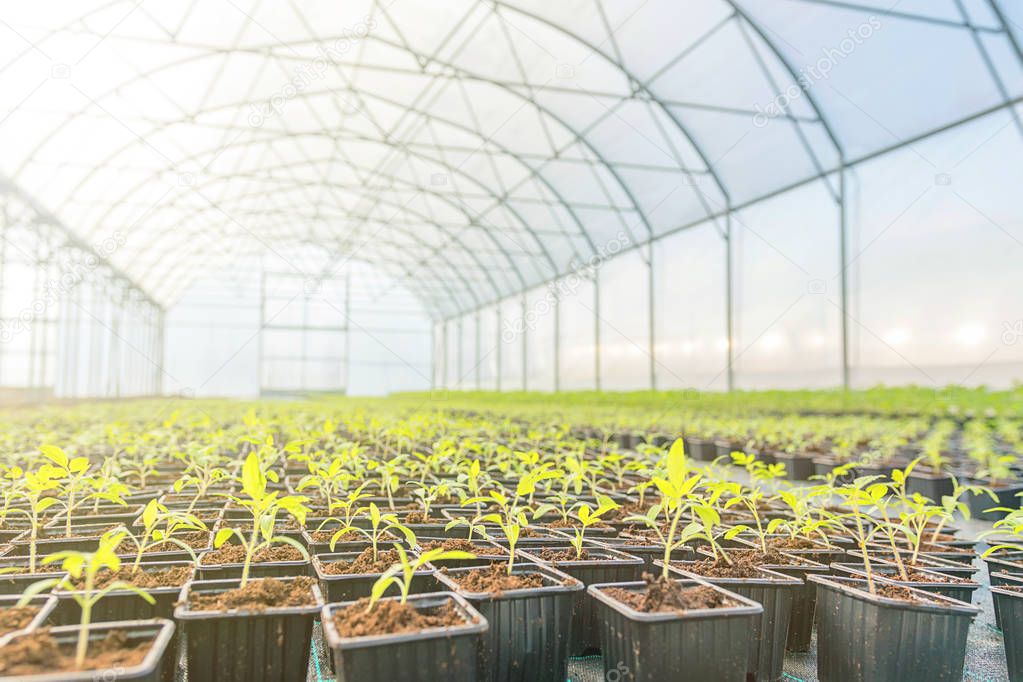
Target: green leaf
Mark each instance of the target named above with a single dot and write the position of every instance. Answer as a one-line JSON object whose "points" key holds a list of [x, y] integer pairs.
{"points": [[222, 536], [253, 480], [676, 463], [55, 455], [150, 513]]}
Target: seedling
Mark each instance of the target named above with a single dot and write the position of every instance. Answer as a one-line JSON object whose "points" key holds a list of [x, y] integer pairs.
{"points": [[154, 515], [589, 518], [264, 508], [380, 524], [401, 573], [86, 565]]}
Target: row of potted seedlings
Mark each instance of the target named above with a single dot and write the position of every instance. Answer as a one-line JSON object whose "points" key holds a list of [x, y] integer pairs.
{"points": [[682, 571]]}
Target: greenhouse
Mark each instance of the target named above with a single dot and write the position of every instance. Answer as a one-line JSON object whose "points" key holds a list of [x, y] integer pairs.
{"points": [[587, 340]]}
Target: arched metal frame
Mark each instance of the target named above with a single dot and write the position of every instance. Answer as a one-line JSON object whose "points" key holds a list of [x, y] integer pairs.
{"points": [[451, 269]]}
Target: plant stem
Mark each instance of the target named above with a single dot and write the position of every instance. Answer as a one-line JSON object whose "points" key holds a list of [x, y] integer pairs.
{"points": [[82, 647]]}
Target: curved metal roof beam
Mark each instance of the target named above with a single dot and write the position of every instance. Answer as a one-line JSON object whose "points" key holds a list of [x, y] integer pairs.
{"points": [[291, 184], [444, 197]]}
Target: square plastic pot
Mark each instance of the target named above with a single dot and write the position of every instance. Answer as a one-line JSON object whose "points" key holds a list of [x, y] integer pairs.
{"points": [[776, 593], [264, 569], [961, 590], [797, 467], [440, 655], [45, 603], [270, 645], [603, 566], [1006, 498], [867, 638], [702, 644], [159, 632], [530, 629], [1009, 606], [930, 485], [1003, 580], [121, 605]]}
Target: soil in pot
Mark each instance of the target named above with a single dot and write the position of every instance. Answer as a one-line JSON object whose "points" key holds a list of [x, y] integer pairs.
{"points": [[258, 595], [390, 617], [39, 653], [363, 564], [495, 579], [463, 545], [554, 554], [235, 554], [17, 618], [174, 576], [197, 540], [662, 594]]}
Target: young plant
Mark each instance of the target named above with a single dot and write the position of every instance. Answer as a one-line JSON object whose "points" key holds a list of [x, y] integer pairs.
{"points": [[35, 489], [203, 471], [587, 518], [84, 565], [264, 507], [674, 491], [863, 492], [401, 573], [380, 524], [71, 472], [155, 515]]}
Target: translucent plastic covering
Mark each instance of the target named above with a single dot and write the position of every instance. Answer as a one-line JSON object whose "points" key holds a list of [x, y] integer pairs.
{"points": [[581, 193], [475, 148]]}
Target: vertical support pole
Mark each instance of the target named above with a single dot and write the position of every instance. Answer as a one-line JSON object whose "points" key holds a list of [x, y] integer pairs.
{"points": [[844, 274], [161, 331], [651, 322], [460, 349], [557, 339], [596, 330], [444, 354], [479, 352], [525, 344], [433, 357], [348, 330], [259, 333], [729, 304], [500, 343]]}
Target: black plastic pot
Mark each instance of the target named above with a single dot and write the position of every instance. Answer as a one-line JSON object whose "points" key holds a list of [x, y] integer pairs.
{"points": [[45, 603], [121, 605], [701, 644], [1003, 580], [1004, 562], [930, 485], [159, 632], [649, 553], [866, 638], [264, 569], [961, 590], [776, 593], [530, 629], [804, 601], [439, 655], [342, 588], [1009, 605], [797, 467], [480, 560], [700, 449], [603, 566], [271, 645], [15, 583], [1006, 498]]}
